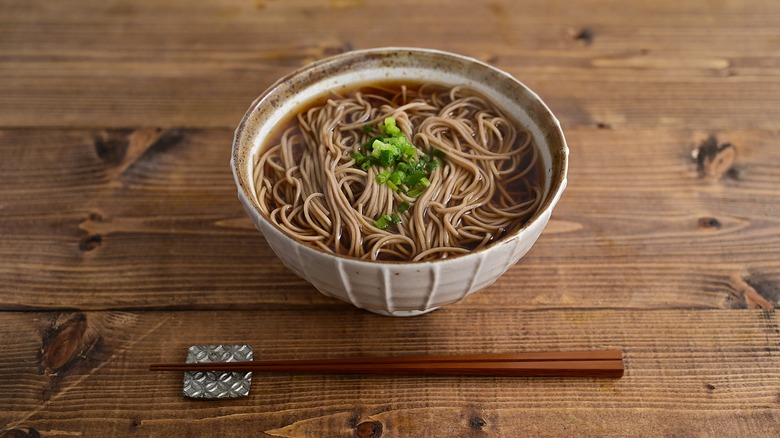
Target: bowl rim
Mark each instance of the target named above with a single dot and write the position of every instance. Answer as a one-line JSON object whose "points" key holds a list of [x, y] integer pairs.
{"points": [[557, 185]]}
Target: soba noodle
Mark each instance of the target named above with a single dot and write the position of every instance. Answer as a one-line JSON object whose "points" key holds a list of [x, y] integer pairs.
{"points": [[487, 185]]}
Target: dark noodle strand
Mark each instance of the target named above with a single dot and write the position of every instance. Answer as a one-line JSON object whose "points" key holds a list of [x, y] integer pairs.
{"points": [[308, 185]]}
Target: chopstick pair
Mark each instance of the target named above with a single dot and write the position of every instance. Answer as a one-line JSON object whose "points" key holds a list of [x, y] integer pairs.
{"points": [[602, 363]]}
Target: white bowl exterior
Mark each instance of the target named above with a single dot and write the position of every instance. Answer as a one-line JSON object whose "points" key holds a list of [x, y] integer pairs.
{"points": [[398, 288], [402, 288]]}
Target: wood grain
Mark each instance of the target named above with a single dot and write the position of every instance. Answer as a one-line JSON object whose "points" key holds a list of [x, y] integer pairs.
{"points": [[686, 371], [123, 242], [148, 218], [700, 64]]}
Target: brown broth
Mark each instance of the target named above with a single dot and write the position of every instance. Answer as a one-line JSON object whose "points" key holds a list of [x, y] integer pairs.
{"points": [[387, 90]]}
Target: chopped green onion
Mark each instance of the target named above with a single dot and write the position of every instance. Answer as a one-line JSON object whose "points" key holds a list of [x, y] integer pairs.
{"points": [[382, 177], [381, 223], [408, 150], [385, 220], [386, 158], [397, 177], [390, 128], [414, 178], [432, 165], [415, 192], [359, 158], [404, 168], [369, 145], [419, 188]]}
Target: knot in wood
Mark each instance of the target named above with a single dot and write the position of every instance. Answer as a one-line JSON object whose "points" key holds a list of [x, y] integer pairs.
{"points": [[478, 423], [111, 145], [67, 341], [714, 159], [369, 429], [709, 222], [90, 242], [27, 432], [585, 35]]}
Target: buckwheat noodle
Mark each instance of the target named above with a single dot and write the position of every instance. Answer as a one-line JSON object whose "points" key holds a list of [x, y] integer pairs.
{"points": [[307, 183]]}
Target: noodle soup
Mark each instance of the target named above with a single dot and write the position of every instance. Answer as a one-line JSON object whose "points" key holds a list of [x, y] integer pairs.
{"points": [[399, 171]]}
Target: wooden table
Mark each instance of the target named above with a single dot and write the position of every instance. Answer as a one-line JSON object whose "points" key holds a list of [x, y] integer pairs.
{"points": [[123, 241]]}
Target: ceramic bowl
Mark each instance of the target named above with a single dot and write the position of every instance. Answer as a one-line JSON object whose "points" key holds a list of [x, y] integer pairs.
{"points": [[399, 288]]}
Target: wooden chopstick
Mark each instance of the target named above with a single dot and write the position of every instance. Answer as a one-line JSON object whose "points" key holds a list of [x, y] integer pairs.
{"points": [[606, 363], [490, 357], [590, 368]]}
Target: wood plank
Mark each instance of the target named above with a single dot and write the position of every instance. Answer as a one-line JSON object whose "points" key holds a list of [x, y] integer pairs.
{"points": [[707, 372], [137, 63], [148, 218], [123, 242]]}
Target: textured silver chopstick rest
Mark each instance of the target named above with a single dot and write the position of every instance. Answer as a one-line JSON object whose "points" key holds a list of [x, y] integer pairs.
{"points": [[217, 384]]}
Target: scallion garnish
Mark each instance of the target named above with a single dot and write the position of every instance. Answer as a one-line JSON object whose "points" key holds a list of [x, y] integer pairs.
{"points": [[385, 220], [404, 168]]}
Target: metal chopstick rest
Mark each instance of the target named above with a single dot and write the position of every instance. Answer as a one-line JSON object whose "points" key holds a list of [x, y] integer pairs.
{"points": [[217, 384]]}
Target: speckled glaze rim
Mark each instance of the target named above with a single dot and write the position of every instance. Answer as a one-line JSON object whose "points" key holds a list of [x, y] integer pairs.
{"points": [[303, 78]]}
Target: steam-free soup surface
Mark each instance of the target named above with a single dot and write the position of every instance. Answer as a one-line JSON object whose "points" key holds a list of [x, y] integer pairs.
{"points": [[399, 171]]}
